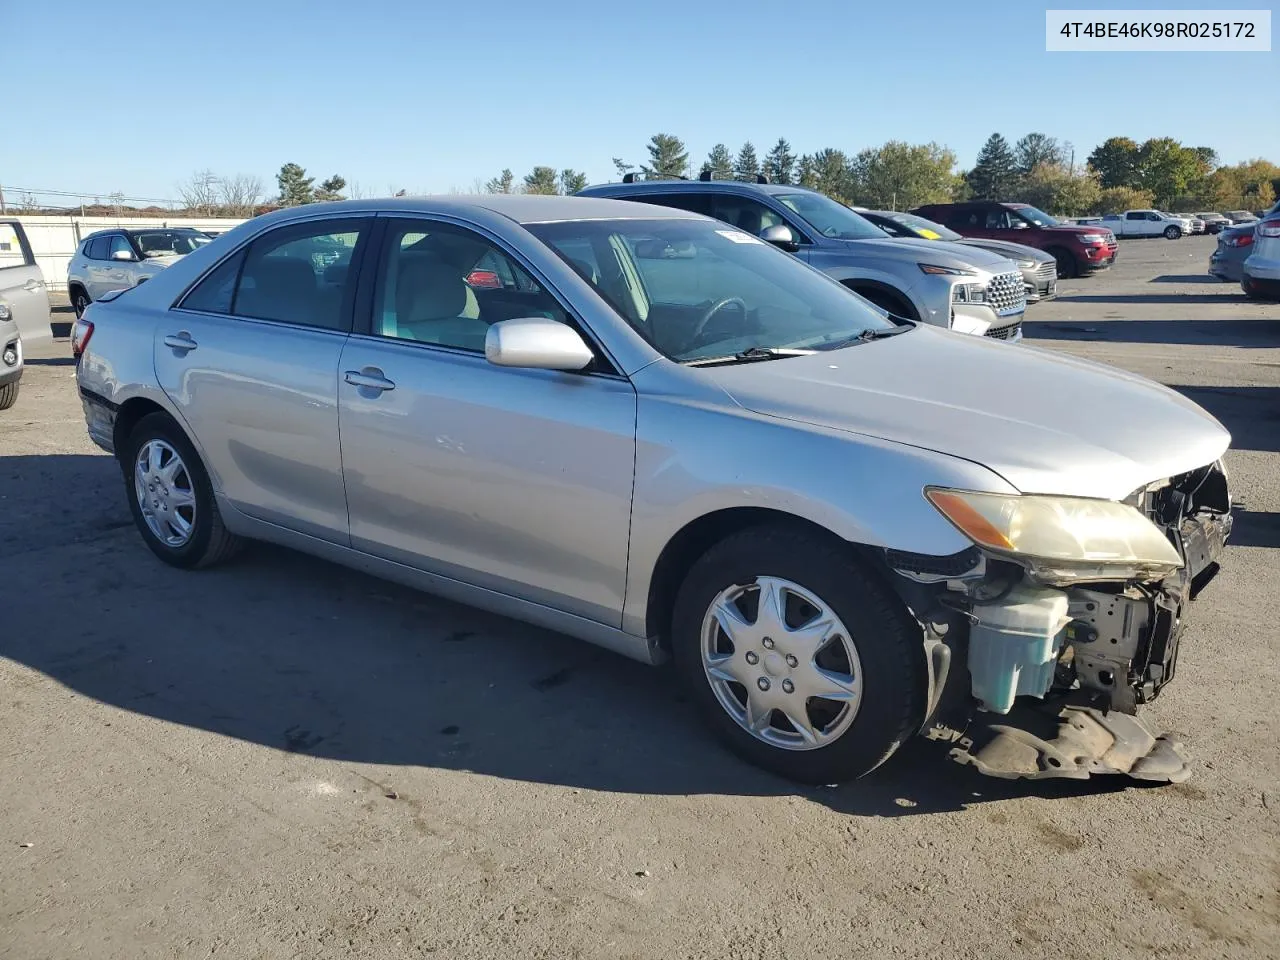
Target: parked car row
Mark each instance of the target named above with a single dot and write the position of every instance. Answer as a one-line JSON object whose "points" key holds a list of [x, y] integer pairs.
{"points": [[119, 258], [24, 306], [1249, 254], [659, 432], [962, 288]]}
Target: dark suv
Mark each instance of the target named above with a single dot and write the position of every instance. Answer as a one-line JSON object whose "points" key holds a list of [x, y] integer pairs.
{"points": [[1078, 250]]}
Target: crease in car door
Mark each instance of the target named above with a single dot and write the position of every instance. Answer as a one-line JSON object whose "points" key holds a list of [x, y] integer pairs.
{"points": [[251, 361], [516, 480]]}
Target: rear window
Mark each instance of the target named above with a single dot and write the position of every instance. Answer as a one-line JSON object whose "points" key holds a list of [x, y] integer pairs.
{"points": [[11, 251]]}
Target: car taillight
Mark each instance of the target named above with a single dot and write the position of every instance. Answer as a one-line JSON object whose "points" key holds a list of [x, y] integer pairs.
{"points": [[80, 335], [1241, 241], [1269, 228], [485, 279]]}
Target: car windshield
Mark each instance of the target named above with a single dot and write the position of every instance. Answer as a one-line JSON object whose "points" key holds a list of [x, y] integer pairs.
{"points": [[698, 289], [1038, 217], [829, 218], [923, 227], [166, 243]]}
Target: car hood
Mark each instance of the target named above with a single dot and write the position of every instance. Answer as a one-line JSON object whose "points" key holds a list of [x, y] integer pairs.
{"points": [[165, 261], [1007, 248], [1045, 422], [943, 253]]}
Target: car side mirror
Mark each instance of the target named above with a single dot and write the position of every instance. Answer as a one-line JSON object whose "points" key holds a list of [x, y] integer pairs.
{"points": [[781, 236], [123, 255], [536, 343]]}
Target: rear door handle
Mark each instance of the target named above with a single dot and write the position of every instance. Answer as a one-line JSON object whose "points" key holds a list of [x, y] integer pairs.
{"points": [[370, 378], [181, 341]]}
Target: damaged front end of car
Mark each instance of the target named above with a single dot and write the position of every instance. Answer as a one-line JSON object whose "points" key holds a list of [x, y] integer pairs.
{"points": [[1045, 637]]}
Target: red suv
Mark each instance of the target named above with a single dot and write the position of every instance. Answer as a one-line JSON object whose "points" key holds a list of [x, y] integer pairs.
{"points": [[1077, 249]]}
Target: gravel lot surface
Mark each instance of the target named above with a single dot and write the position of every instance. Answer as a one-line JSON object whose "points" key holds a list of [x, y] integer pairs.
{"points": [[281, 758]]}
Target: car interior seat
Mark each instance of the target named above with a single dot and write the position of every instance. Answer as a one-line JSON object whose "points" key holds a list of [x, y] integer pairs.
{"points": [[435, 305]]}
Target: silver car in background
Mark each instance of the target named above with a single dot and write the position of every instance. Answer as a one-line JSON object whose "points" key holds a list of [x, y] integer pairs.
{"points": [[961, 288], [653, 431], [119, 259]]}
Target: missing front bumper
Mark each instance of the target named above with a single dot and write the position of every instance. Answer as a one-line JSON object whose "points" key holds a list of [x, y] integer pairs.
{"points": [[1075, 743]]}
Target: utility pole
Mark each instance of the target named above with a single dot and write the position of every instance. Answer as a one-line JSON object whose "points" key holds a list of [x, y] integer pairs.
{"points": [[2, 210]]}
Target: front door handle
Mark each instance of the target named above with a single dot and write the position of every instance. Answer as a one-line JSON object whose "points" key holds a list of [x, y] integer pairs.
{"points": [[32, 285], [181, 341], [370, 378]]}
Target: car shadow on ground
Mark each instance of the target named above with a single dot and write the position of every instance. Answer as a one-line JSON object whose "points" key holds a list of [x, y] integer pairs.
{"points": [[1255, 529], [1152, 298], [1251, 414], [307, 657], [1187, 278], [1258, 333]]}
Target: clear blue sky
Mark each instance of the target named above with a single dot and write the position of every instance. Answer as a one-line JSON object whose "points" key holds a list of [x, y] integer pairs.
{"points": [[430, 96]]}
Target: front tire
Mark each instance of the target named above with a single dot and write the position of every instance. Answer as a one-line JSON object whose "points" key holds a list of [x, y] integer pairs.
{"points": [[171, 497], [8, 395], [1067, 268], [1172, 233], [800, 658]]}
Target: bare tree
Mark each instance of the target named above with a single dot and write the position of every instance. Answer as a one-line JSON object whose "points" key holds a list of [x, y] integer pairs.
{"points": [[357, 192], [200, 193], [240, 194]]}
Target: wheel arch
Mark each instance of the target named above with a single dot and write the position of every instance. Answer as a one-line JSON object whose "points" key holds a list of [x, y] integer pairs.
{"points": [[857, 284], [699, 535], [130, 413]]}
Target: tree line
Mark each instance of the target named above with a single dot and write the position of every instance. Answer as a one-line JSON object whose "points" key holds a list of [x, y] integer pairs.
{"points": [[1120, 174]]}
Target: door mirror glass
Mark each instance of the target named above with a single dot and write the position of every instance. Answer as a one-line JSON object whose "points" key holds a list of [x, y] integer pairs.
{"points": [[536, 343], [122, 255], [781, 236]]}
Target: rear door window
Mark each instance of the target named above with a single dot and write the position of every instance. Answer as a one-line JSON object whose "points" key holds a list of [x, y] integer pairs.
{"points": [[12, 253]]}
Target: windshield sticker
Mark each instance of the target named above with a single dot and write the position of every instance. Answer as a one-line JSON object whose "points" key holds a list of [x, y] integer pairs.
{"points": [[737, 236]]}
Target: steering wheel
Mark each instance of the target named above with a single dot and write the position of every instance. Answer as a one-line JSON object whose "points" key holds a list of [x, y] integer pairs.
{"points": [[716, 308]]}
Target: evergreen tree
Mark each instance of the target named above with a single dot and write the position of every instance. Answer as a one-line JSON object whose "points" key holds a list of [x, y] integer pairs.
{"points": [[779, 163], [719, 162], [295, 185], [571, 181], [542, 180], [331, 189], [831, 175], [995, 175], [502, 183], [622, 167], [667, 158], [747, 166], [805, 174]]}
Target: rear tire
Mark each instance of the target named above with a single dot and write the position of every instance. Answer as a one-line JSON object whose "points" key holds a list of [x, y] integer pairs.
{"points": [[1172, 233], [171, 498], [8, 395], [873, 648], [79, 301]]}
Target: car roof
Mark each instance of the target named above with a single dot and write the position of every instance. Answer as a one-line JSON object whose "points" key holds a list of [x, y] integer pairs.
{"points": [[694, 186], [522, 208]]}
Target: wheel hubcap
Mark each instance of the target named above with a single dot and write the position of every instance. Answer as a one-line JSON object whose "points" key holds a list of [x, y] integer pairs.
{"points": [[781, 663], [165, 493]]}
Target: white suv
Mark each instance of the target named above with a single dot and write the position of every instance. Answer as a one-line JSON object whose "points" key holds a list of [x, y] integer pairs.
{"points": [[118, 259]]}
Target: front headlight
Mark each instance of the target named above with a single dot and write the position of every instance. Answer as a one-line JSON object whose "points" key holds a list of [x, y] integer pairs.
{"points": [[4, 311], [1026, 264], [969, 293], [1093, 238], [1061, 538], [945, 271]]}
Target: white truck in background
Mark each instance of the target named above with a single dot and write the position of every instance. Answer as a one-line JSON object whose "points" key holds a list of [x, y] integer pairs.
{"points": [[1147, 223]]}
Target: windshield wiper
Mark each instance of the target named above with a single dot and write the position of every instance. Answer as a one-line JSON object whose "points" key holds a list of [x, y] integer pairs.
{"points": [[870, 334], [749, 355]]}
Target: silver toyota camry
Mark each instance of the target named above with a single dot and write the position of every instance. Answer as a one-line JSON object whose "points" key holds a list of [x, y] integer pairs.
{"points": [[655, 432]]}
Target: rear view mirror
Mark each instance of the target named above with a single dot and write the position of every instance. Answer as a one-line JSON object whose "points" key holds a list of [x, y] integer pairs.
{"points": [[122, 255], [663, 250], [781, 236], [536, 343]]}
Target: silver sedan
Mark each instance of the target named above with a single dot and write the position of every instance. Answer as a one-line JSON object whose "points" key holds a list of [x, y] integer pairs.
{"points": [[655, 432]]}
